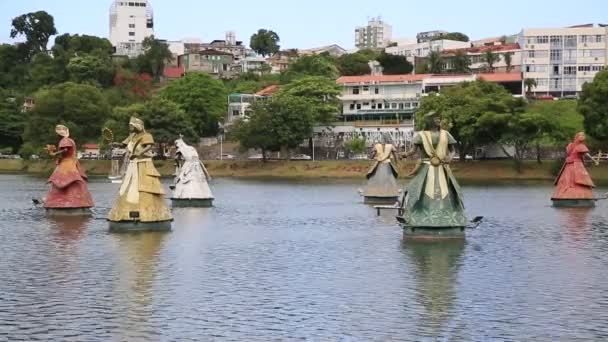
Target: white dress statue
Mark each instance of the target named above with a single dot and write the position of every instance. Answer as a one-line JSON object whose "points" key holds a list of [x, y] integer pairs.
{"points": [[191, 181]]}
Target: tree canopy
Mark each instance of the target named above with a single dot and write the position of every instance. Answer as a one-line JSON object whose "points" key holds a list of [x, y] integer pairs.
{"points": [[315, 65], [202, 97], [593, 105], [265, 42], [321, 93], [394, 64], [454, 36], [37, 27]]}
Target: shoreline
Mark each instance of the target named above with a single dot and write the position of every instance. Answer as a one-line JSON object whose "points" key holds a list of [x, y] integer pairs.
{"points": [[481, 172]]}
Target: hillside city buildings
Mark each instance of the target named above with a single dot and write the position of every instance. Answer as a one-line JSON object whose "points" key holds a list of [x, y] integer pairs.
{"points": [[559, 60]]}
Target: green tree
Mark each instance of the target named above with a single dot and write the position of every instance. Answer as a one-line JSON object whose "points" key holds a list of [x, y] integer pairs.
{"points": [[73, 45], [530, 84], [356, 145], [203, 98], [37, 27], [353, 64], [265, 42], [474, 112], [166, 121], [435, 62], [321, 94], [44, 70], [394, 64], [462, 62], [118, 121], [315, 65], [491, 58], [81, 107], [156, 55], [454, 36], [508, 56], [593, 105], [523, 129], [11, 119], [13, 68], [281, 123], [91, 69]]}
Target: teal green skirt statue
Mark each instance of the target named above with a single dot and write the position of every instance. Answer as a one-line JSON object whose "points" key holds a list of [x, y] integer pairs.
{"points": [[432, 201]]}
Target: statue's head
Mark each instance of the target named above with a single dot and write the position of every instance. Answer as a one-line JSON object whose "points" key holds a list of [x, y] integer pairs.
{"points": [[432, 120], [62, 131], [580, 137], [136, 125], [179, 143]]}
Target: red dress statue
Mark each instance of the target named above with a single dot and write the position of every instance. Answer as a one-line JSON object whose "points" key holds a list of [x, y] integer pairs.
{"points": [[573, 181], [68, 181]]}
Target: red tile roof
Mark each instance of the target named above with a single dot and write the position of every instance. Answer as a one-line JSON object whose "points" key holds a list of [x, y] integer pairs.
{"points": [[268, 91], [173, 72], [481, 49], [380, 78], [501, 77]]}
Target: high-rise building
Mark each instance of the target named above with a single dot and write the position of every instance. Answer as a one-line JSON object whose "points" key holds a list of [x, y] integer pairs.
{"points": [[130, 23], [376, 35], [561, 60]]}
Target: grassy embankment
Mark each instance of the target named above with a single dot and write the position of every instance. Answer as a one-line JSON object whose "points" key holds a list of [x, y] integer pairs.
{"points": [[476, 171]]}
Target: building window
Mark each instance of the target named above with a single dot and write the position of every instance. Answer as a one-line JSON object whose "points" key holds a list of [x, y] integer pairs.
{"points": [[556, 55], [584, 68], [556, 70], [597, 67], [365, 88], [352, 106], [541, 82], [542, 39], [132, 4], [379, 105], [570, 70], [401, 105], [373, 106], [366, 104], [570, 41], [393, 105], [358, 106], [131, 33], [599, 38], [356, 91], [376, 90], [131, 25]]}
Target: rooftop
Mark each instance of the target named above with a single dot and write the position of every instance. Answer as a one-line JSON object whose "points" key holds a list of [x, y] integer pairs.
{"points": [[490, 77], [482, 49], [268, 91]]}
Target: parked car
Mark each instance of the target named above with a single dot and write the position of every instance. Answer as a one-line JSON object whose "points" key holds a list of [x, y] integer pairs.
{"points": [[466, 157], [257, 156], [225, 156], [301, 157]]}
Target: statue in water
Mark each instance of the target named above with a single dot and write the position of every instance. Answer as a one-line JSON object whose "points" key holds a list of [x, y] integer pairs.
{"points": [[68, 193], [382, 176], [191, 183], [141, 203], [573, 186], [433, 200]]}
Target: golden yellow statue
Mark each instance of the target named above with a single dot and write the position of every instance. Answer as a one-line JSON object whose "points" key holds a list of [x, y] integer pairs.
{"points": [[141, 203]]}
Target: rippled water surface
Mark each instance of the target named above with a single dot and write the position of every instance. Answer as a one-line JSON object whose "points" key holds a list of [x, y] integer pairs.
{"points": [[302, 260]]}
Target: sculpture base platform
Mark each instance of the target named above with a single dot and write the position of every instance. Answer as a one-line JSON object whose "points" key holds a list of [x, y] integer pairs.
{"points": [[380, 200], [69, 211], [433, 232], [138, 226], [192, 202], [573, 203]]}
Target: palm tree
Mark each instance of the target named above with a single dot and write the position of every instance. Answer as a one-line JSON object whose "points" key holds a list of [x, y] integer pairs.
{"points": [[529, 83], [462, 62], [491, 58], [508, 61], [435, 62]]}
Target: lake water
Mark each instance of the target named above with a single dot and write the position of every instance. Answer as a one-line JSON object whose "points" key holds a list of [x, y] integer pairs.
{"points": [[302, 260]]}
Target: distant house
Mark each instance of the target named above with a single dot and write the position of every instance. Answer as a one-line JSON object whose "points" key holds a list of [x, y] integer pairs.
{"points": [[239, 103], [28, 104], [213, 62]]}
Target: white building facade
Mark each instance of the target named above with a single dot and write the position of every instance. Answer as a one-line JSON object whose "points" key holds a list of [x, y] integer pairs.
{"points": [[422, 50], [130, 23], [376, 35], [561, 60]]}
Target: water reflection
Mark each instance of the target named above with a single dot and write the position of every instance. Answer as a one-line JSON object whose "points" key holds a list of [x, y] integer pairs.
{"points": [[436, 265], [68, 229], [575, 222], [137, 273]]}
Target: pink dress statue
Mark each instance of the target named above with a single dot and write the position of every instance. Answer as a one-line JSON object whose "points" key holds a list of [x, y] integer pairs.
{"points": [[68, 181], [573, 181]]}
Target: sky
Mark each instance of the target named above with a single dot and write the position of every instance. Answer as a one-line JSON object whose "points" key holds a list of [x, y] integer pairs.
{"points": [[312, 23]]}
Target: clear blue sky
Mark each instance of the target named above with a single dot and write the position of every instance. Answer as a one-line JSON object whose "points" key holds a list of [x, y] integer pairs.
{"points": [[310, 23]]}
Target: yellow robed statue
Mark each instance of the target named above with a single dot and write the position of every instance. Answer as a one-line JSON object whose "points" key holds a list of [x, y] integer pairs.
{"points": [[141, 203]]}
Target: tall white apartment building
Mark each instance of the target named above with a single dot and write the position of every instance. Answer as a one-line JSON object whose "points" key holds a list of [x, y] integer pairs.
{"points": [[376, 35], [130, 23], [561, 60], [421, 50]]}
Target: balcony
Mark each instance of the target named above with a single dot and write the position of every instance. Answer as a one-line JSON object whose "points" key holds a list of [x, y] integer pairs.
{"points": [[379, 97]]}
